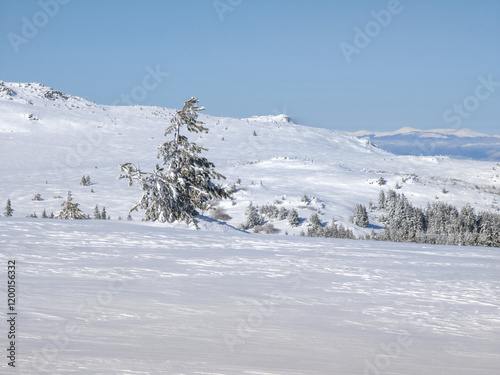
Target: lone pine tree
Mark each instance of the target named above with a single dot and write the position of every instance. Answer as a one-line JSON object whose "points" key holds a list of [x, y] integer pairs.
{"points": [[182, 184], [8, 209], [70, 209], [293, 218], [97, 214], [360, 217]]}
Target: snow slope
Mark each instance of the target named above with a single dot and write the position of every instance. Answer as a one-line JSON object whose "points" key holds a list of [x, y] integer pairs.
{"points": [[130, 298], [68, 137], [458, 143]]}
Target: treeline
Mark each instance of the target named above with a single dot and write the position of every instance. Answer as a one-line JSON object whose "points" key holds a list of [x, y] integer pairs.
{"points": [[438, 223], [317, 229]]}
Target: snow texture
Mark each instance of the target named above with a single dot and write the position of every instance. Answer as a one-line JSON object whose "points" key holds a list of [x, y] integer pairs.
{"points": [[131, 298]]}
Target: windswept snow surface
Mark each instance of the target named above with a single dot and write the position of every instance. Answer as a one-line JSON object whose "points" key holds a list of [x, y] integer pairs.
{"points": [[130, 298]]}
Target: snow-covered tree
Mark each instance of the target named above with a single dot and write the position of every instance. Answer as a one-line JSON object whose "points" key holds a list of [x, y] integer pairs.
{"points": [[331, 231], [70, 209], [381, 200], [305, 199], [103, 213], [85, 181], [253, 217], [360, 217], [183, 183], [315, 227], [8, 209], [37, 197], [293, 218], [270, 211], [490, 229], [283, 213], [97, 214]]}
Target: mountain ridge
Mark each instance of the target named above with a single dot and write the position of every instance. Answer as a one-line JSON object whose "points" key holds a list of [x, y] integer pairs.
{"points": [[458, 143]]}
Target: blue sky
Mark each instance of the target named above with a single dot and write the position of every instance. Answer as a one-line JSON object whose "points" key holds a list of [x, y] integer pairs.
{"points": [[346, 65]]}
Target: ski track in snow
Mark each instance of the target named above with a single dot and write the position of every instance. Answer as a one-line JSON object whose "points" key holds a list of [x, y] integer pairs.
{"points": [[142, 299]]}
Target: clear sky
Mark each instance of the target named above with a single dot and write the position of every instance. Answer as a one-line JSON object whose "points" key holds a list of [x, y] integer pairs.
{"points": [[347, 65]]}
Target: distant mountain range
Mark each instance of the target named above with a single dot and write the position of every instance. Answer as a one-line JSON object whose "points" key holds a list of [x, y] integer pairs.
{"points": [[457, 143]]}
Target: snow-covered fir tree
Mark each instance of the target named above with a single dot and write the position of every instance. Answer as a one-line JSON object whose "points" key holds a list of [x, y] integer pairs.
{"points": [[381, 200], [315, 227], [283, 213], [270, 211], [97, 214], [85, 181], [8, 209], [306, 199], [293, 218], [438, 223], [360, 217], [37, 197], [183, 183], [253, 218], [70, 209], [103, 213]]}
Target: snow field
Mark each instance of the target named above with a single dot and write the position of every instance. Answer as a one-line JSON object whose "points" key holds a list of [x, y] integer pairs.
{"points": [[130, 298]]}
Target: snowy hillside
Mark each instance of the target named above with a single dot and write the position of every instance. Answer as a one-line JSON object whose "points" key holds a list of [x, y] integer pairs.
{"points": [[458, 143], [49, 140], [132, 297]]}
